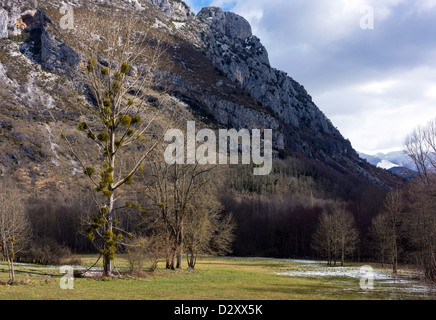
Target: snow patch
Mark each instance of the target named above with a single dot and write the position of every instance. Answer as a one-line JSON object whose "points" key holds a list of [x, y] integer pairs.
{"points": [[53, 146], [76, 168], [179, 25], [159, 24], [349, 272], [386, 164], [138, 6]]}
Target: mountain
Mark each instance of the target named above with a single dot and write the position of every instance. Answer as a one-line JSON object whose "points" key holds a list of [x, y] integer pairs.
{"points": [[397, 162], [386, 164], [390, 160], [215, 68], [404, 172]]}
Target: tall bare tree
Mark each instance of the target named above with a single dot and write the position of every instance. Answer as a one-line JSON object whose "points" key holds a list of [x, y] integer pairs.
{"points": [[323, 240], [392, 212], [380, 237], [120, 64], [421, 148], [421, 226], [347, 233], [14, 224]]}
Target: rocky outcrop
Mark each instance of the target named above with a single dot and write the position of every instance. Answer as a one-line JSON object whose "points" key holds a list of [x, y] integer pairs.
{"points": [[4, 19], [226, 112], [44, 48], [15, 21], [226, 23], [175, 9]]}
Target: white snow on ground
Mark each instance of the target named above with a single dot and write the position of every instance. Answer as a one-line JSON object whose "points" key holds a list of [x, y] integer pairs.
{"points": [[159, 25], [351, 272], [76, 167], [138, 6], [179, 25], [53, 146], [407, 281]]}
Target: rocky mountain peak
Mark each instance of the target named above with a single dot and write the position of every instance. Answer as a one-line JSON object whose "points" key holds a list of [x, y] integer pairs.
{"points": [[228, 23]]}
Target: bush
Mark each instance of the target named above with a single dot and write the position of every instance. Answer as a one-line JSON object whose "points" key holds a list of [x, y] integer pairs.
{"points": [[147, 250], [45, 252]]}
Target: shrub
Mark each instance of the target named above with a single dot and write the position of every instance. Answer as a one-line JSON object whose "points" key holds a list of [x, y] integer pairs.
{"points": [[45, 252], [147, 250]]}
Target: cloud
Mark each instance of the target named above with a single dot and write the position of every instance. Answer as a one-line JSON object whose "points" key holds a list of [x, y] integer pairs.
{"points": [[375, 85], [380, 114]]}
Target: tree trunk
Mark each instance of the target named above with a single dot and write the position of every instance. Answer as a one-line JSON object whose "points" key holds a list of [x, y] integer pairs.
{"points": [[107, 266], [179, 258], [343, 253], [192, 260], [12, 262], [395, 260], [107, 258], [173, 260], [180, 248], [394, 254]]}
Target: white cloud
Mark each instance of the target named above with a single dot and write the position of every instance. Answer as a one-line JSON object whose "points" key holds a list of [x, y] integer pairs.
{"points": [[378, 87], [379, 115]]}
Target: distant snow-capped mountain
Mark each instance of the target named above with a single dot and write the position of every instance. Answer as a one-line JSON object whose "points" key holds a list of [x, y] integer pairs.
{"points": [[386, 164], [390, 160]]}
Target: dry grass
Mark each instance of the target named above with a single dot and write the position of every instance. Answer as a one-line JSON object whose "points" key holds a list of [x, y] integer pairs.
{"points": [[214, 279]]}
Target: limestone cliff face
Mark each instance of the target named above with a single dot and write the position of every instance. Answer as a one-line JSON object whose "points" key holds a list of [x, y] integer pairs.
{"points": [[4, 19], [237, 54], [45, 49], [226, 24], [242, 57]]}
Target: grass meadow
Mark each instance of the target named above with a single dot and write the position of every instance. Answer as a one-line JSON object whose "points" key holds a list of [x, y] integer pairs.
{"points": [[217, 278]]}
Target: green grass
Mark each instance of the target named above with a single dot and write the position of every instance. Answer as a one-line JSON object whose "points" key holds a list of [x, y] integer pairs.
{"points": [[214, 279]]}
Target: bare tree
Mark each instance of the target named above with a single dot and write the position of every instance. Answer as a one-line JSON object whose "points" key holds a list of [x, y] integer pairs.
{"points": [[421, 148], [346, 231], [149, 249], [173, 190], [379, 233], [120, 62], [323, 240], [336, 236], [392, 212], [206, 230], [421, 226], [14, 224]]}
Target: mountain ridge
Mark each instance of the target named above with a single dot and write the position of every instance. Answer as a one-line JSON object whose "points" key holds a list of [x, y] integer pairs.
{"points": [[396, 158]]}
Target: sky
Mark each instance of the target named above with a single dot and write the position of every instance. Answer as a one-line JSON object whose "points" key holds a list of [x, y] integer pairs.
{"points": [[369, 65]]}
